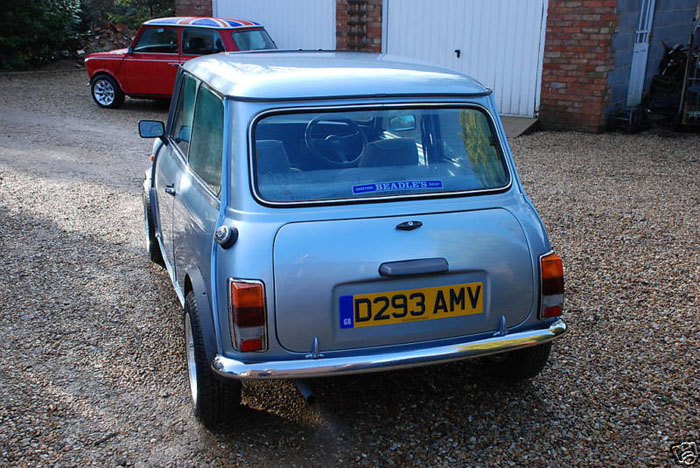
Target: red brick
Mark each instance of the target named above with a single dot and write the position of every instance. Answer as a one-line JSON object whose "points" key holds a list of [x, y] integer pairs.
{"points": [[578, 55]]}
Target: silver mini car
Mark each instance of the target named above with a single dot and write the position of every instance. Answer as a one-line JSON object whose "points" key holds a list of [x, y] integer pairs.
{"points": [[328, 213]]}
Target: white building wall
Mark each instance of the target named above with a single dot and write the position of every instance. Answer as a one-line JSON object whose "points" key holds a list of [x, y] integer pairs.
{"points": [[500, 43], [293, 24]]}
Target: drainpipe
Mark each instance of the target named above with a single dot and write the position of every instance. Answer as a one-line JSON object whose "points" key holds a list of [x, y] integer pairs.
{"points": [[640, 53]]}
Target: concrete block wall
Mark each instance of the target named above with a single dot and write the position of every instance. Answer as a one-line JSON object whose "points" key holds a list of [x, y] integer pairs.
{"points": [[672, 24]]}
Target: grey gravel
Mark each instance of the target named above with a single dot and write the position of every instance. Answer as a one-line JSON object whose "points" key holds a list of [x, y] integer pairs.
{"points": [[91, 363]]}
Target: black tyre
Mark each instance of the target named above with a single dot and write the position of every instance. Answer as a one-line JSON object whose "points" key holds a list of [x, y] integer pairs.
{"points": [[518, 365], [214, 400], [106, 92], [149, 227]]}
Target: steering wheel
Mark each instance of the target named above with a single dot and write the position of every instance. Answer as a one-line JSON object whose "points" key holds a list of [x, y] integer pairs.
{"points": [[335, 149]]}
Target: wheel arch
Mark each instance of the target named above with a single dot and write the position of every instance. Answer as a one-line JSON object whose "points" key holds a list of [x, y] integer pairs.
{"points": [[194, 283], [101, 72]]}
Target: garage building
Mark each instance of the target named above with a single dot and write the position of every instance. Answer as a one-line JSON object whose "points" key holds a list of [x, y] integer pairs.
{"points": [[571, 63]]}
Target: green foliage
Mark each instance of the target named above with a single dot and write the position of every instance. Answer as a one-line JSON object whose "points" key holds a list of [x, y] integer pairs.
{"points": [[134, 12], [94, 13], [36, 31], [476, 135]]}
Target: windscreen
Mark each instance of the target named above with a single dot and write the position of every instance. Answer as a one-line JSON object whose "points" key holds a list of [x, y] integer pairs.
{"points": [[354, 154]]}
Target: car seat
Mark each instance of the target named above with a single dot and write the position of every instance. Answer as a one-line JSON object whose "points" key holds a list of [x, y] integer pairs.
{"points": [[271, 157], [391, 152], [196, 45]]}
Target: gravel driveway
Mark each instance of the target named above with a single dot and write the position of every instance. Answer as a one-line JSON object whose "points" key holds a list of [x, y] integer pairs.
{"points": [[91, 361]]}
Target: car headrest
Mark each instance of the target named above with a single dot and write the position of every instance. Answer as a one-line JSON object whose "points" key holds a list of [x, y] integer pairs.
{"points": [[271, 157], [196, 44], [391, 152]]}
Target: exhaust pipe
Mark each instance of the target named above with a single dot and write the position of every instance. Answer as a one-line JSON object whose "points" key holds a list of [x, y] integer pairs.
{"points": [[306, 392]]}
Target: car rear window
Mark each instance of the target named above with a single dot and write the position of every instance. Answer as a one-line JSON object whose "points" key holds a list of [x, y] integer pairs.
{"points": [[254, 39], [355, 154]]}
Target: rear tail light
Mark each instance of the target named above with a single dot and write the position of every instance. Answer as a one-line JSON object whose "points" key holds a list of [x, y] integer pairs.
{"points": [[247, 310], [552, 280]]}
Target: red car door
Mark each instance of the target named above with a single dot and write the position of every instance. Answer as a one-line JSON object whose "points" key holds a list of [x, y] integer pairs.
{"points": [[152, 66]]}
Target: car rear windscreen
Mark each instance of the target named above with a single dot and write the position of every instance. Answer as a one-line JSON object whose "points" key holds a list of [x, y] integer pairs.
{"points": [[254, 39], [355, 154]]}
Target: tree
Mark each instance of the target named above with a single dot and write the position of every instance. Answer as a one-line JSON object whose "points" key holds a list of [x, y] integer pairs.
{"points": [[37, 31]]}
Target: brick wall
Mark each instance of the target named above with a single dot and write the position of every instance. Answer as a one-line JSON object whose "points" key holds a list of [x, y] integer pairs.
{"points": [[578, 56], [193, 7], [359, 25]]}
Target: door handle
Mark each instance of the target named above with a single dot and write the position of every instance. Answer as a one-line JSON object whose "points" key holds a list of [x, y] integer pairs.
{"points": [[170, 189], [174, 64], [419, 266]]}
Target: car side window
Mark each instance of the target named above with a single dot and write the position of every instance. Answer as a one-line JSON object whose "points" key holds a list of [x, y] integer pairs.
{"points": [[181, 131], [197, 41], [207, 143], [158, 40]]}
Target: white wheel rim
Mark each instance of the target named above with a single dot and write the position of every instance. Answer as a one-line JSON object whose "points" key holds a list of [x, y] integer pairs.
{"points": [[104, 92], [191, 365]]}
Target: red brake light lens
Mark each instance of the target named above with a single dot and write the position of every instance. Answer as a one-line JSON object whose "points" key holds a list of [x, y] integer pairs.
{"points": [[247, 308], [552, 280], [248, 304], [251, 345]]}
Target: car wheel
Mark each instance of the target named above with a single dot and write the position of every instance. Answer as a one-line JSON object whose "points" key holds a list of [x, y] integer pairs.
{"points": [[519, 365], [214, 400], [149, 227], [106, 92]]}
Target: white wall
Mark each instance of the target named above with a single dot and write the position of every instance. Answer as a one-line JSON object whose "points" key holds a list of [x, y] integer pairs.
{"points": [[293, 24], [501, 43]]}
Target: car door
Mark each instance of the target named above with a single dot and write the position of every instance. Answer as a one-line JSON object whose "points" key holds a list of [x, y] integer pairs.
{"points": [[196, 207], [171, 163], [152, 66], [200, 41]]}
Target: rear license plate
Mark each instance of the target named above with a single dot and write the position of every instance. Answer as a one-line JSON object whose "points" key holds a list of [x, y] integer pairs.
{"points": [[411, 305]]}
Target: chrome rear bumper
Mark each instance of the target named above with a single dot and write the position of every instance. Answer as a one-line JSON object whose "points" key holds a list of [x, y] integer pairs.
{"points": [[325, 367]]}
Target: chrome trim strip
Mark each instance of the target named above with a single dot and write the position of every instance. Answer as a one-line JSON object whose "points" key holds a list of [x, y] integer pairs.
{"points": [[347, 97], [386, 105], [87, 59], [538, 275], [325, 367], [171, 271]]}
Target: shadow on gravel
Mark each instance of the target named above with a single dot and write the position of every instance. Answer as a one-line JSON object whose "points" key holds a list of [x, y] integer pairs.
{"points": [[143, 105], [88, 320], [450, 405], [105, 352]]}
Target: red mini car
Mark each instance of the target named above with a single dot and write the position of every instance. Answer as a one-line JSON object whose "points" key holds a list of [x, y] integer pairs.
{"points": [[148, 67]]}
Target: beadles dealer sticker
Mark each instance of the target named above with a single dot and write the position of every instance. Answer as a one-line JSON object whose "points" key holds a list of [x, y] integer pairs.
{"points": [[397, 186]]}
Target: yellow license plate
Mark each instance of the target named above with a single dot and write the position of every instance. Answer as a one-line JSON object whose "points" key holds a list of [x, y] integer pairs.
{"points": [[410, 305]]}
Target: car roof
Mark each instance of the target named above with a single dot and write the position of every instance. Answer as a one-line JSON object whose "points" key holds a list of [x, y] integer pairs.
{"points": [[297, 75], [202, 22]]}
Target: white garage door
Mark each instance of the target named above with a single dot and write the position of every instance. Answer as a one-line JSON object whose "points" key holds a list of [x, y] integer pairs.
{"points": [[498, 42], [298, 24]]}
